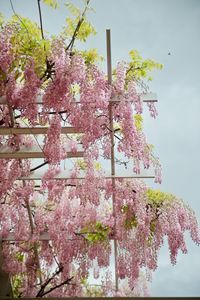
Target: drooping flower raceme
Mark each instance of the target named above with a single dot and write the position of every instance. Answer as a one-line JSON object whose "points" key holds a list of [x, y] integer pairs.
{"points": [[65, 229], [53, 149]]}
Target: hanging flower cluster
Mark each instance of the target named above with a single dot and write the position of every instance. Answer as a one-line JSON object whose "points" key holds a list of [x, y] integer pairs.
{"points": [[64, 230]]}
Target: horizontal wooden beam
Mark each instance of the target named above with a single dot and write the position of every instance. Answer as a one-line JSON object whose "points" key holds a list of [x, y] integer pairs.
{"points": [[145, 97], [107, 175], [45, 237], [109, 298], [37, 130], [11, 237], [149, 97], [24, 155], [34, 152]]}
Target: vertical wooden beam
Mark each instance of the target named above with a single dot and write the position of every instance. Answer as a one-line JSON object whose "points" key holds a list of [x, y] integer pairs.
{"points": [[5, 283], [32, 231], [12, 120], [109, 72]]}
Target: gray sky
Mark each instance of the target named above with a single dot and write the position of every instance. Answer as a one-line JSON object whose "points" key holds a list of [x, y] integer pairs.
{"points": [[156, 27]]}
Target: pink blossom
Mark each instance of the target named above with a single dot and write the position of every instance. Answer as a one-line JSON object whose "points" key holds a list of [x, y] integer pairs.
{"points": [[53, 149]]}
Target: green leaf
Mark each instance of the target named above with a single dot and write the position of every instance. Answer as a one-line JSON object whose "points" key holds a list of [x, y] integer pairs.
{"points": [[85, 30], [27, 42], [134, 55], [17, 282], [138, 122], [52, 3], [1, 19], [125, 209], [74, 10], [95, 232], [81, 164], [156, 197], [91, 56], [19, 256], [131, 222], [140, 68]]}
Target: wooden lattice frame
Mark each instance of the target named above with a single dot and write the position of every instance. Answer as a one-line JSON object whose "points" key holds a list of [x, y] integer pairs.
{"points": [[5, 153]]}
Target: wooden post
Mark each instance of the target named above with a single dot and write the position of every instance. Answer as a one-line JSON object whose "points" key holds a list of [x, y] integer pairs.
{"points": [[36, 130], [32, 231], [109, 70], [5, 283]]}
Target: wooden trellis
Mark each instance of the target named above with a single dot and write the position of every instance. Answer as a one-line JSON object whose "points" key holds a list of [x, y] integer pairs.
{"points": [[37, 152]]}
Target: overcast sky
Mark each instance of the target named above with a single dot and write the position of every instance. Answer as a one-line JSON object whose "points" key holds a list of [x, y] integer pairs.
{"points": [[155, 28]]}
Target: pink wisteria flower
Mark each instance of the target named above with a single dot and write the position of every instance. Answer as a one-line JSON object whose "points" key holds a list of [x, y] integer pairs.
{"points": [[53, 149], [73, 225]]}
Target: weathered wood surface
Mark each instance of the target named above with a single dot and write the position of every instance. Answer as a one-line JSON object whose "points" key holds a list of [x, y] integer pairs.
{"points": [[34, 152]]}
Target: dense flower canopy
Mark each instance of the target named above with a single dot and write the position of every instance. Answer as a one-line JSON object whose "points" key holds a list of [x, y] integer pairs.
{"points": [[63, 231]]}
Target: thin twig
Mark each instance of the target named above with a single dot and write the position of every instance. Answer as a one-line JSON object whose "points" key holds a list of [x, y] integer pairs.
{"points": [[43, 286], [54, 255], [132, 69], [67, 281], [105, 126], [40, 15], [39, 166], [120, 162], [70, 46], [19, 18]]}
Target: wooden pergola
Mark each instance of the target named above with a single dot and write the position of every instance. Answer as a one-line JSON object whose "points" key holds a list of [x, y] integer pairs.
{"points": [[36, 153]]}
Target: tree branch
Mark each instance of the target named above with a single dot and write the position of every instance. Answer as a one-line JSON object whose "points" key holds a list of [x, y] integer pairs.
{"points": [[132, 69], [78, 26], [40, 15], [43, 286], [111, 131], [19, 18], [120, 162], [67, 281], [39, 166]]}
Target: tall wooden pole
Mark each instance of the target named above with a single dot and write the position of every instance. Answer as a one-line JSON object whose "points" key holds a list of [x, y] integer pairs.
{"points": [[109, 71]]}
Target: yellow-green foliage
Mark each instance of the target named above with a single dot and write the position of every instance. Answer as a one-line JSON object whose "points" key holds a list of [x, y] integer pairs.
{"points": [[91, 56], [19, 256], [27, 42], [138, 122], [1, 19], [139, 67], [152, 226], [52, 3], [97, 166], [95, 232], [17, 281], [152, 230], [86, 29], [93, 291], [73, 9], [75, 89], [156, 197], [125, 209], [81, 164], [131, 220]]}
